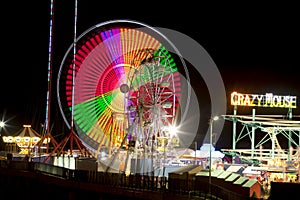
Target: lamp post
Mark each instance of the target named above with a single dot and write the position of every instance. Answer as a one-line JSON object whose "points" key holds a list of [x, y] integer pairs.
{"points": [[210, 149], [2, 126]]}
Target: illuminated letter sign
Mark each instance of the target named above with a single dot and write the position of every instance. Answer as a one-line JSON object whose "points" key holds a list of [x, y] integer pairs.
{"points": [[267, 100]]}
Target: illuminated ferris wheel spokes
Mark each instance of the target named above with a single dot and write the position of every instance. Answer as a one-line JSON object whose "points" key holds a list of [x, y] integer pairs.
{"points": [[153, 97], [127, 88]]}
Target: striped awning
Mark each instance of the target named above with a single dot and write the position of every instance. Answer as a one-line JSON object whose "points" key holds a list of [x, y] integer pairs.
{"points": [[27, 131]]}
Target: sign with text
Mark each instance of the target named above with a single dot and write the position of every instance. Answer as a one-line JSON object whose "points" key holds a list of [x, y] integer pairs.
{"points": [[263, 100]]}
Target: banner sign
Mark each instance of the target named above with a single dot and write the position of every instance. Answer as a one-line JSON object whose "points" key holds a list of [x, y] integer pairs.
{"points": [[263, 100]]}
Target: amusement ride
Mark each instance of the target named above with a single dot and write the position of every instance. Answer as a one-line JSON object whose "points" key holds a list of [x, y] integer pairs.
{"points": [[125, 100]]}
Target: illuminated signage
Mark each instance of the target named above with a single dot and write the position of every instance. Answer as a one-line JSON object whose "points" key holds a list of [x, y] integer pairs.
{"points": [[267, 100]]}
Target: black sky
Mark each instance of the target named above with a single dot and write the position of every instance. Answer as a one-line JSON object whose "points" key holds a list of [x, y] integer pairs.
{"points": [[255, 47]]}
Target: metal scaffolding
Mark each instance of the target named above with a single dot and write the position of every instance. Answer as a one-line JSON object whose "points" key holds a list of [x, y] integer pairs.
{"points": [[270, 126]]}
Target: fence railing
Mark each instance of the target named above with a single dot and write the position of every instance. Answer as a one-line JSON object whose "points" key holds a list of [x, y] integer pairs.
{"points": [[133, 181]]}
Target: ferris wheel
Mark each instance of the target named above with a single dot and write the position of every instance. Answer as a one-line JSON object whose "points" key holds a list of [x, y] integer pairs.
{"points": [[127, 88]]}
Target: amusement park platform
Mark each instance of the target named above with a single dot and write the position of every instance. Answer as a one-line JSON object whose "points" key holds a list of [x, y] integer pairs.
{"points": [[186, 182]]}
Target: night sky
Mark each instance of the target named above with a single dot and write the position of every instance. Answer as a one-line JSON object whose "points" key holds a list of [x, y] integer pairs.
{"points": [[255, 47]]}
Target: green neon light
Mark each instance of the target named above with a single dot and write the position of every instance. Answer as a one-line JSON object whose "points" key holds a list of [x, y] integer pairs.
{"points": [[87, 113]]}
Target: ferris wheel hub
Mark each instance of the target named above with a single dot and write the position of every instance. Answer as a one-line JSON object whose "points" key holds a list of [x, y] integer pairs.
{"points": [[124, 88]]}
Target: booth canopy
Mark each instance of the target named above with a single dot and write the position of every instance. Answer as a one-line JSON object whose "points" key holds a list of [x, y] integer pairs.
{"points": [[27, 131]]}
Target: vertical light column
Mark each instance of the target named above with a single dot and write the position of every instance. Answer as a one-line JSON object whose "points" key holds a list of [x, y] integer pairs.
{"points": [[234, 132], [74, 66], [49, 79], [253, 134], [290, 136]]}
